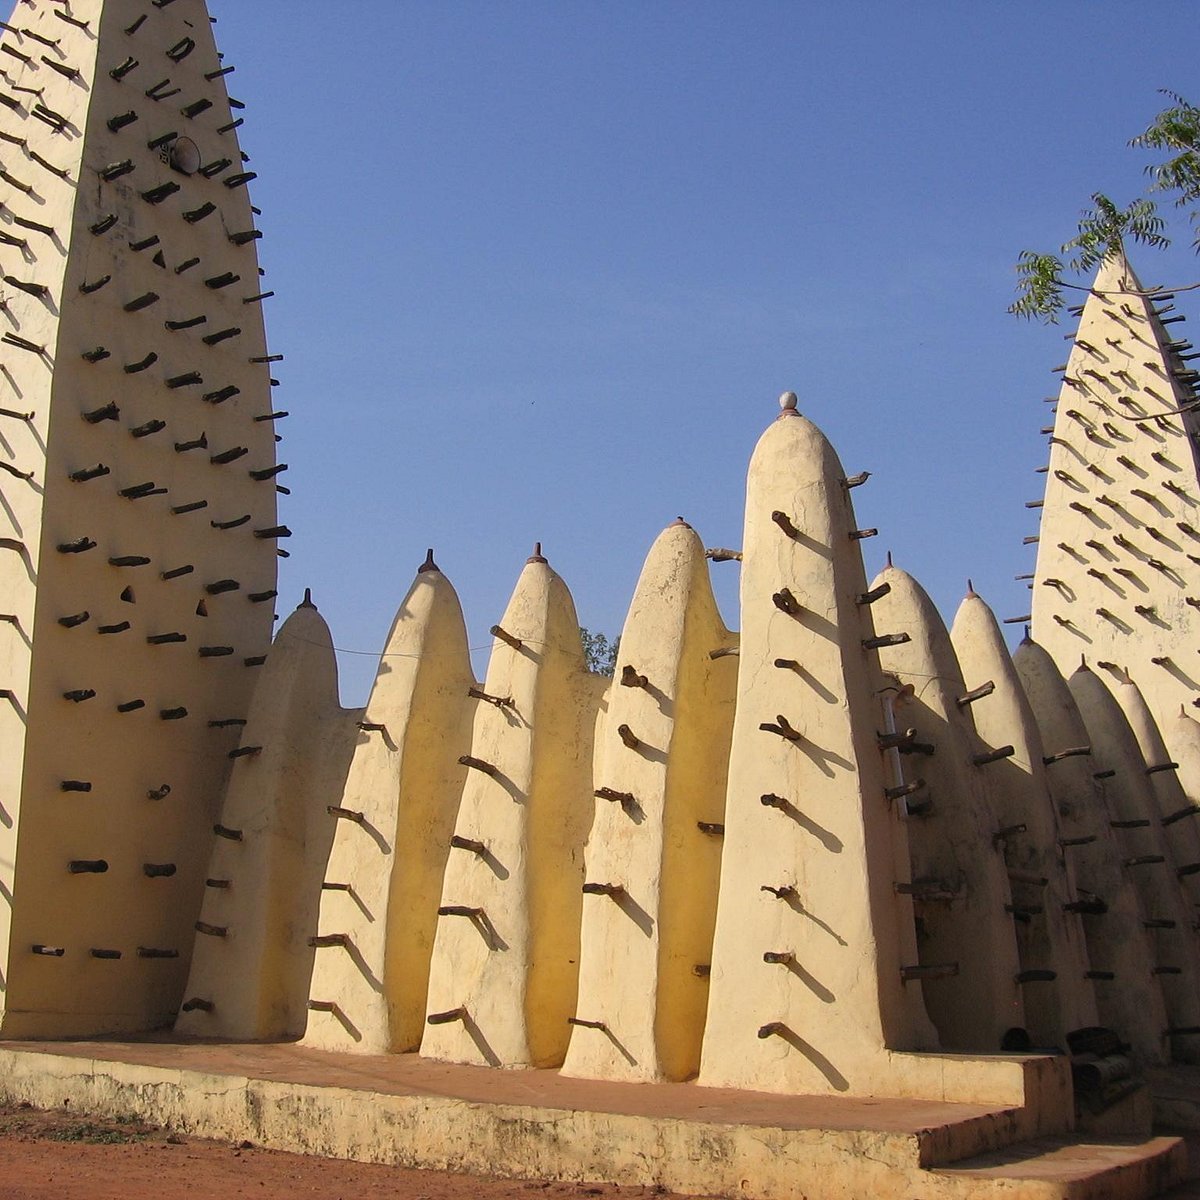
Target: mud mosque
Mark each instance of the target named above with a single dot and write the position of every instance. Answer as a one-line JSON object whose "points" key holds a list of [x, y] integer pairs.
{"points": [[864, 899]]}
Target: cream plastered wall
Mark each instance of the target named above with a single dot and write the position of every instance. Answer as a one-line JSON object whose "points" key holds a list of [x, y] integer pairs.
{"points": [[1128, 995], [395, 820], [960, 885], [1182, 733], [1037, 854], [503, 978], [1181, 837], [1118, 565], [806, 987], [152, 619], [253, 959], [660, 778], [1165, 911]]}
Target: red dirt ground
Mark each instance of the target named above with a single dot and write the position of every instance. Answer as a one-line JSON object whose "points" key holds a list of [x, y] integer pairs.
{"points": [[69, 1156]]}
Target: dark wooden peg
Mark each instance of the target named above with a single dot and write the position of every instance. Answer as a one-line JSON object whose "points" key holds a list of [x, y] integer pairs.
{"points": [[785, 523], [873, 595], [603, 889], [460, 910], [79, 546], [903, 789], [984, 689], [928, 971], [87, 473], [630, 678], [782, 728], [445, 1018], [87, 866], [783, 958], [464, 843], [211, 930], [187, 379], [223, 831], [70, 622], [624, 799], [786, 602], [991, 756], [143, 301], [628, 737], [228, 456], [712, 828], [1070, 752], [477, 764], [134, 367], [109, 412], [784, 892], [158, 870], [326, 940], [345, 814], [885, 639], [79, 695], [246, 752], [857, 535], [770, 800]]}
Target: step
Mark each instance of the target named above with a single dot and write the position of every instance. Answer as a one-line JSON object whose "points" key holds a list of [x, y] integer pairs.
{"points": [[537, 1124], [1065, 1168]]}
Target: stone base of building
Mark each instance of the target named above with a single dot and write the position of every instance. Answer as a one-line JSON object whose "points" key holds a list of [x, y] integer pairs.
{"points": [[414, 1112]]}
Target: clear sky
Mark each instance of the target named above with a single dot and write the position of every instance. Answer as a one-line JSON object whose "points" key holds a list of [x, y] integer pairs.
{"points": [[543, 269]]}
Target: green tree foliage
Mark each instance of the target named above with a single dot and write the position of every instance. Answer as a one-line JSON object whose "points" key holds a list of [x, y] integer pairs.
{"points": [[1105, 227], [600, 653]]}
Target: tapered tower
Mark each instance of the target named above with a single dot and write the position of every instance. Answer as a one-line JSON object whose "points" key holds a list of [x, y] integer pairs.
{"points": [[139, 499]]}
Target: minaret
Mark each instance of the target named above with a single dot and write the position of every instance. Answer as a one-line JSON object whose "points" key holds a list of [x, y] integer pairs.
{"points": [[138, 558], [815, 978], [1118, 567]]}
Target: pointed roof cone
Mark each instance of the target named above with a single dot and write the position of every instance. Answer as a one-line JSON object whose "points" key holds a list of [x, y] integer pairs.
{"points": [[1083, 663], [889, 558], [428, 564], [971, 589], [1027, 640], [536, 556], [788, 402], [679, 521], [307, 602]]}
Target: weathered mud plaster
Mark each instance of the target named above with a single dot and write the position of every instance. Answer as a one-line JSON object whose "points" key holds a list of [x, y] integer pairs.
{"points": [[1049, 935], [959, 883], [379, 899], [813, 846], [1180, 836], [1121, 514], [125, 635], [1127, 993], [660, 774], [505, 960], [253, 961], [1165, 910], [1182, 734]]}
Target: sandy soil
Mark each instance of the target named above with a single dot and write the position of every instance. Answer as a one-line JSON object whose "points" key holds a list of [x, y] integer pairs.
{"points": [[68, 1156]]}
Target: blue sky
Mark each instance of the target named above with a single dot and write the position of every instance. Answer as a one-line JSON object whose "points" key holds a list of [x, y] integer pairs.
{"points": [[542, 270]]}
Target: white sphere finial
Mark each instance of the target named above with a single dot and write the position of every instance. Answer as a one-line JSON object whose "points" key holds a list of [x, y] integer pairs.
{"points": [[788, 402]]}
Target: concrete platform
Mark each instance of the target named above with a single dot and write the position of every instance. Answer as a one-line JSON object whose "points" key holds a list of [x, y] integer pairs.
{"points": [[536, 1124]]}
